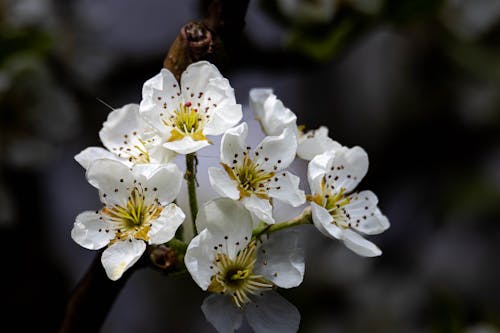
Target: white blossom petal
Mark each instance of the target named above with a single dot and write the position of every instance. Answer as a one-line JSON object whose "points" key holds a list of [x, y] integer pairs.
{"points": [[223, 184], [220, 104], [195, 79], [315, 142], [281, 259], [316, 170], [347, 168], [276, 152], [199, 257], [273, 116], [364, 215], [120, 256], [359, 245], [90, 154], [285, 187], [221, 313], [164, 227], [233, 144], [322, 220], [127, 135], [160, 98], [272, 313], [227, 221], [186, 145], [260, 208], [92, 232], [163, 184], [111, 178]]}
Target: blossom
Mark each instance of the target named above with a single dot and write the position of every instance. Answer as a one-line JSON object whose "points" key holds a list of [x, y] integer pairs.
{"points": [[274, 117], [337, 211], [129, 139], [254, 177], [136, 210], [204, 104], [242, 271]]}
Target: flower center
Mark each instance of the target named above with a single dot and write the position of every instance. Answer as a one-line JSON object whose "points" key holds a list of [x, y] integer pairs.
{"points": [[186, 121], [334, 203], [134, 219], [235, 277], [250, 178]]}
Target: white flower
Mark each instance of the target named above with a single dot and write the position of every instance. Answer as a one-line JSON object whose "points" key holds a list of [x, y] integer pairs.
{"points": [[274, 117], [337, 211], [204, 104], [129, 139], [318, 11], [136, 210], [254, 177], [224, 259]]}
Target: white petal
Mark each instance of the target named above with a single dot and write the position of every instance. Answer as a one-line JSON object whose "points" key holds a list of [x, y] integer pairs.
{"points": [[233, 144], [199, 258], [277, 152], [90, 154], [273, 116], [285, 187], [359, 245], [112, 178], [221, 313], [322, 220], [127, 135], [120, 256], [223, 184], [220, 104], [164, 227], [260, 208], [186, 145], [160, 98], [272, 313], [281, 259], [258, 97], [316, 170], [346, 169], [315, 142], [195, 79], [91, 232], [364, 215], [164, 183], [228, 222]]}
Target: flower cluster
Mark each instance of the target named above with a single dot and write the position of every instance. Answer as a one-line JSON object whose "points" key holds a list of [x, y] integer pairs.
{"points": [[241, 254]]}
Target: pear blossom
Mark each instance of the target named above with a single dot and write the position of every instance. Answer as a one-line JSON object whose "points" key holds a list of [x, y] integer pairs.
{"points": [[129, 139], [274, 117], [137, 210], [242, 271], [184, 114], [255, 177], [337, 211]]}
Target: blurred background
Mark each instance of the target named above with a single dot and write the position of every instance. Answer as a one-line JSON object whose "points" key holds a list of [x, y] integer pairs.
{"points": [[414, 82]]}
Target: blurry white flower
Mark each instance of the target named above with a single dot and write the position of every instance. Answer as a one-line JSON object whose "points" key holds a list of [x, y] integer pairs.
{"points": [[337, 211], [316, 11], [254, 177], [129, 139], [274, 117], [224, 259], [204, 104], [136, 210]]}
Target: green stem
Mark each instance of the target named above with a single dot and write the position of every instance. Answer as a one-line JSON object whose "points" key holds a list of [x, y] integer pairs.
{"points": [[190, 177], [304, 218]]}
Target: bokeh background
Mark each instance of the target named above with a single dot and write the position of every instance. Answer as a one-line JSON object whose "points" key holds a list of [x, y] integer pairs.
{"points": [[414, 82]]}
